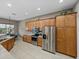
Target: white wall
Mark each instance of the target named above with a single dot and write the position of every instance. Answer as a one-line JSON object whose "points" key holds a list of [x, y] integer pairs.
{"points": [[22, 28], [77, 10]]}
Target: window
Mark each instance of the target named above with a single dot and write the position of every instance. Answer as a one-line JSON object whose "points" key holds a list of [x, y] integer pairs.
{"points": [[6, 28]]}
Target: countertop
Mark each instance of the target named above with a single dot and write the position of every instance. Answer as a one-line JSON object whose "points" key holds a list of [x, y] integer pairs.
{"points": [[5, 38], [4, 54]]}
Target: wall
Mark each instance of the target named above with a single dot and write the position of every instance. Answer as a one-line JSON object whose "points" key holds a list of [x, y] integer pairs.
{"points": [[6, 21], [22, 28], [77, 10]]}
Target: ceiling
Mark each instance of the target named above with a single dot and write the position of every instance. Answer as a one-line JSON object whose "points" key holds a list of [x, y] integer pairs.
{"points": [[24, 9]]}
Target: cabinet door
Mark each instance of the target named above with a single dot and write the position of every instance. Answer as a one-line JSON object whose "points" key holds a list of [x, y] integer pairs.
{"points": [[41, 24], [39, 41], [10, 43], [5, 45], [70, 36], [70, 20], [60, 21], [45, 22], [52, 22], [38, 24], [31, 25], [29, 39], [60, 40], [25, 38], [28, 26]]}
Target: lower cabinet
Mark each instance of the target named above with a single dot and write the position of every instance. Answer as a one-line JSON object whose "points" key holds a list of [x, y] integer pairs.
{"points": [[8, 45], [27, 38], [39, 41], [5, 45]]}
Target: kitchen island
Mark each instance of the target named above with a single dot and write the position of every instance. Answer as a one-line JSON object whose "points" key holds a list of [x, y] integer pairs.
{"points": [[7, 42]]}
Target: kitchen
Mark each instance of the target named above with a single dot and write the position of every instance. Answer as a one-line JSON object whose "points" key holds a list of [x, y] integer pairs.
{"points": [[43, 33]]}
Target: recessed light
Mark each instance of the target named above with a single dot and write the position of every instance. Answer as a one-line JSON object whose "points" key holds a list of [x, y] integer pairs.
{"points": [[26, 13], [9, 5], [13, 13], [60, 1], [38, 8]]}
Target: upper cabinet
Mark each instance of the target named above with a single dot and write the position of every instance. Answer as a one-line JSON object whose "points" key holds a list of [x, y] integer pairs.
{"points": [[40, 23], [29, 25], [37, 24], [67, 20], [60, 21], [52, 22], [70, 20]]}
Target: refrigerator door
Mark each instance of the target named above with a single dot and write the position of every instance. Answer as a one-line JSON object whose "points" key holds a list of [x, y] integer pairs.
{"points": [[49, 42], [45, 41]]}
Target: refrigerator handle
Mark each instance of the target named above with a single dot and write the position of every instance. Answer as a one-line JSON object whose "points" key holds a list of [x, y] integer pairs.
{"points": [[44, 36]]}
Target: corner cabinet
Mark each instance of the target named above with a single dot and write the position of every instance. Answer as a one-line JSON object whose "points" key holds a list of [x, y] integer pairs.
{"points": [[66, 41], [8, 45]]}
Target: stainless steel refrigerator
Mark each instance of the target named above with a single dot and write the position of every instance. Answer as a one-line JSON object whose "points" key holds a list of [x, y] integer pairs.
{"points": [[49, 39]]}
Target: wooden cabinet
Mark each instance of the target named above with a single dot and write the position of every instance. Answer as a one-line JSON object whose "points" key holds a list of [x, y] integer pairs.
{"points": [[33, 24], [37, 24], [46, 22], [70, 20], [5, 45], [8, 45], [29, 25], [40, 24], [61, 44], [66, 34], [60, 21], [39, 41], [27, 38], [70, 38], [51, 22]]}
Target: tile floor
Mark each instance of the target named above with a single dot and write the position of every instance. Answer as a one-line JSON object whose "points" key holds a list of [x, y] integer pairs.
{"points": [[23, 50]]}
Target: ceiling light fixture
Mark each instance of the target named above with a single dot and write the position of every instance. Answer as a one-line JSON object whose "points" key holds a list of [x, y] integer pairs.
{"points": [[39, 9], [26, 13], [60, 1], [9, 5]]}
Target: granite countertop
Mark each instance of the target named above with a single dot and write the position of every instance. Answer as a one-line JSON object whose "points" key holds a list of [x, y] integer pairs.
{"points": [[5, 38], [4, 54]]}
